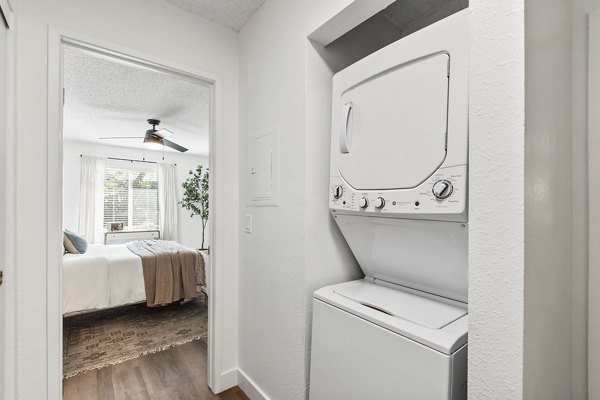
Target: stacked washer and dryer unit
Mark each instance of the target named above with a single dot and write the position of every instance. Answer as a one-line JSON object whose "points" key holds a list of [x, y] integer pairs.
{"points": [[399, 163]]}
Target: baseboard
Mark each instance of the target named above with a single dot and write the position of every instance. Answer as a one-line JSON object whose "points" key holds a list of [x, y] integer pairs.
{"points": [[228, 379], [250, 387]]}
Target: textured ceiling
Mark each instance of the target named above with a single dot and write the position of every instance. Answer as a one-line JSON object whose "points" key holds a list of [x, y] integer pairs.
{"points": [[108, 97], [231, 13]]}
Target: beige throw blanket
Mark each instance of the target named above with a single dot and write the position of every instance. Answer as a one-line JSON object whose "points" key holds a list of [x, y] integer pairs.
{"points": [[170, 270]]}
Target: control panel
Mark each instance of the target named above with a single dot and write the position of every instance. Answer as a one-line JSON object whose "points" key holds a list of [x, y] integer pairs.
{"points": [[443, 195]]}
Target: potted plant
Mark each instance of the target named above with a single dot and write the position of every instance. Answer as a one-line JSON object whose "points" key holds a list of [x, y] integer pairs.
{"points": [[195, 196]]}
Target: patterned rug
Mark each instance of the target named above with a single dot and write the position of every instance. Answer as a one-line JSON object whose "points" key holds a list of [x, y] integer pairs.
{"points": [[92, 341]]}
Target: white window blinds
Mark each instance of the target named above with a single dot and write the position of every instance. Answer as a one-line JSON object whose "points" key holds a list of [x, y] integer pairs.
{"points": [[131, 197]]}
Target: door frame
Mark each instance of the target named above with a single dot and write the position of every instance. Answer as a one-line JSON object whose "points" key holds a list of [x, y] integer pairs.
{"points": [[57, 38], [7, 258], [593, 205]]}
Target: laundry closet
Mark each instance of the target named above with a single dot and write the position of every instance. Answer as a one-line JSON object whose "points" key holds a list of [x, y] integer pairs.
{"points": [[399, 195]]}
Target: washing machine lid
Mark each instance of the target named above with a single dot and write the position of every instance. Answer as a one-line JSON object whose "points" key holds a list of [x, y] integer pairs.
{"points": [[429, 256], [430, 322], [416, 309], [393, 126]]}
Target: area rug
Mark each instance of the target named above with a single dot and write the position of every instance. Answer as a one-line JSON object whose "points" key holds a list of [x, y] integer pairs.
{"points": [[92, 341]]}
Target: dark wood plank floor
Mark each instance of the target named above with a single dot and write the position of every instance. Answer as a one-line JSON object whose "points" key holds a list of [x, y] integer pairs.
{"points": [[178, 374]]}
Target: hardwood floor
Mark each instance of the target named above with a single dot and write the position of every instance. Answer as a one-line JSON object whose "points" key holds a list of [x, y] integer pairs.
{"points": [[178, 373]]}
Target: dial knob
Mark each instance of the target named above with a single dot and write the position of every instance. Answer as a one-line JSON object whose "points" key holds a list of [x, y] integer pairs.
{"points": [[442, 189], [363, 203], [379, 202], [337, 192]]}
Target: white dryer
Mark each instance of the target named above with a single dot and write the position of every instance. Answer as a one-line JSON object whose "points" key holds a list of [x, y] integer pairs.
{"points": [[399, 162]]}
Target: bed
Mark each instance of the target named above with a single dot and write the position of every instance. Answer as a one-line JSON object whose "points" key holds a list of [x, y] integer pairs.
{"points": [[107, 276]]}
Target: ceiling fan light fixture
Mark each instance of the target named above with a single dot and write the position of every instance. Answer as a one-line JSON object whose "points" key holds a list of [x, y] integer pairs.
{"points": [[153, 142], [154, 139]]}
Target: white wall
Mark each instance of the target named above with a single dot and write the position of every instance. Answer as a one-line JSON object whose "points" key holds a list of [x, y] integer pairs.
{"points": [[328, 257], [295, 247], [7, 220], [593, 135], [153, 27], [189, 229], [579, 188], [548, 362], [4, 184], [496, 195]]}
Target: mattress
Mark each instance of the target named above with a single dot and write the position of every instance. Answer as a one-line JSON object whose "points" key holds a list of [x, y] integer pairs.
{"points": [[105, 276]]}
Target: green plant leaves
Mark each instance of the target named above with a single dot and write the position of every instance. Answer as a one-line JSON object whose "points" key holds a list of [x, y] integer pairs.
{"points": [[195, 195]]}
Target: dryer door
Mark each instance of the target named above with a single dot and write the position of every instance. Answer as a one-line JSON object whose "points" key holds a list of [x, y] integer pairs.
{"points": [[393, 126]]}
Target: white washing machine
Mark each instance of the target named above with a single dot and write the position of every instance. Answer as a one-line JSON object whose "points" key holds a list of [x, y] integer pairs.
{"points": [[399, 162]]}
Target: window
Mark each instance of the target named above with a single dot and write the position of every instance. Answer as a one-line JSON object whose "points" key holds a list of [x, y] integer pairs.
{"points": [[131, 197]]}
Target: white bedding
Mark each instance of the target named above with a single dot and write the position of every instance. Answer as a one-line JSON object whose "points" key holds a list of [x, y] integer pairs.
{"points": [[105, 276]]}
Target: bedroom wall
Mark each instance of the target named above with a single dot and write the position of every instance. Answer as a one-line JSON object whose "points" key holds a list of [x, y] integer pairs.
{"points": [[154, 27], [189, 229]]}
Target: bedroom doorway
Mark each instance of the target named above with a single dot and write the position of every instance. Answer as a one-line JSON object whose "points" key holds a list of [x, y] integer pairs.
{"points": [[113, 194]]}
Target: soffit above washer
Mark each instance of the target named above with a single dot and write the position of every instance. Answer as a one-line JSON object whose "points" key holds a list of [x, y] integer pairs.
{"points": [[230, 13], [106, 97]]}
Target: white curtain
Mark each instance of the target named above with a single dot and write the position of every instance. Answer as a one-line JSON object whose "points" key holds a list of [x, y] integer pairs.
{"points": [[167, 201], [91, 199]]}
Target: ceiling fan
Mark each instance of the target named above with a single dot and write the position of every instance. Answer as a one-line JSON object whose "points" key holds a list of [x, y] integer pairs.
{"points": [[154, 138]]}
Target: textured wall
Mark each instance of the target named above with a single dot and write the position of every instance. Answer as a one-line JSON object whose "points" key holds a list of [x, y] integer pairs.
{"points": [[273, 256], [294, 247], [496, 220], [182, 38], [548, 221]]}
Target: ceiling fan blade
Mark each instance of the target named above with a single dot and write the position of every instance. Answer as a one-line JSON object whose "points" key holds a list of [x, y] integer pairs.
{"points": [[163, 133], [175, 146], [122, 137]]}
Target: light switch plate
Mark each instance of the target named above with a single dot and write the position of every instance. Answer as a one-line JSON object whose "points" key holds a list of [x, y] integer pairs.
{"points": [[248, 223]]}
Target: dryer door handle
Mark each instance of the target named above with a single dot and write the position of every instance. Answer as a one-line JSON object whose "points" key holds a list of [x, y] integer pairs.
{"points": [[346, 129]]}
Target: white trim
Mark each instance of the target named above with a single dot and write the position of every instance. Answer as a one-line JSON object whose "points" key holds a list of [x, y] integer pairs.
{"points": [[54, 218], [56, 38], [8, 387], [594, 206], [250, 387], [229, 378]]}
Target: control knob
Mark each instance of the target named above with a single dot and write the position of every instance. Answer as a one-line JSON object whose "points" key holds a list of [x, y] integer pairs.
{"points": [[363, 203], [379, 202], [442, 189], [337, 192]]}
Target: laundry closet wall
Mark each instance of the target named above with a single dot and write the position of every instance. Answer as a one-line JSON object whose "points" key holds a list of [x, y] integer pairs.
{"points": [[579, 189], [555, 333], [153, 27]]}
